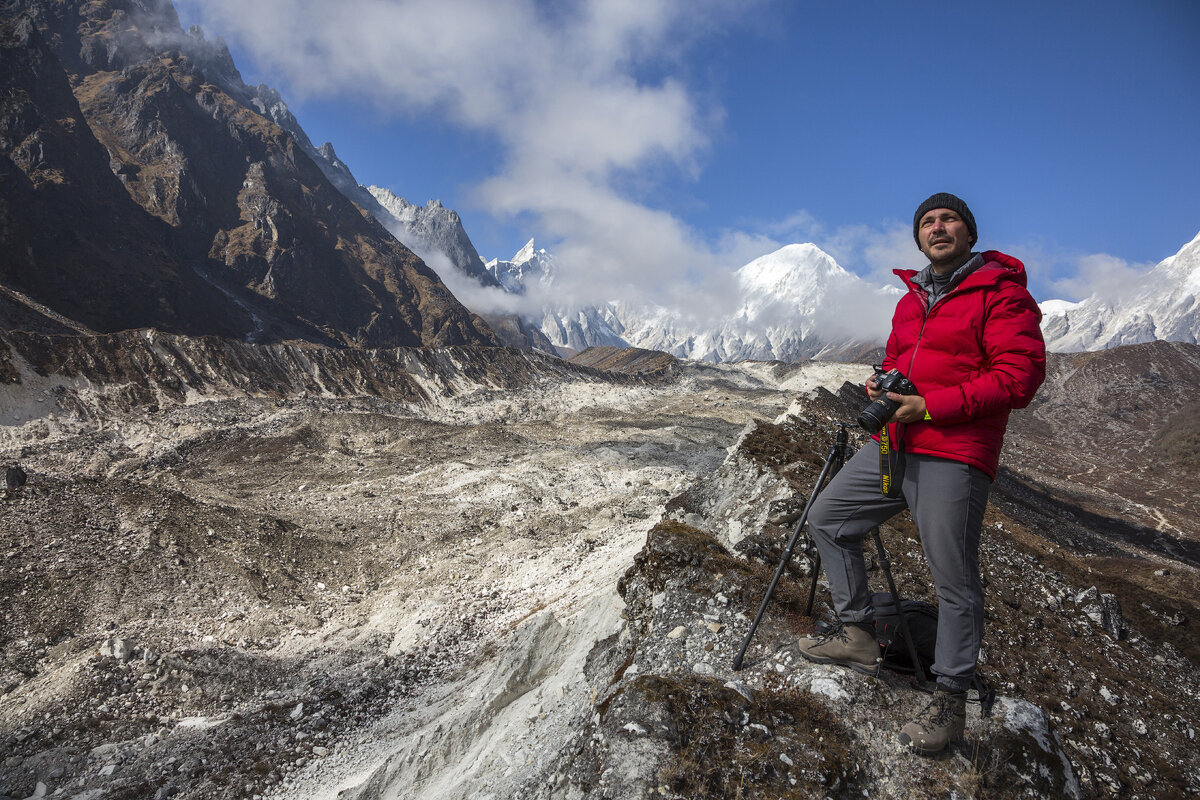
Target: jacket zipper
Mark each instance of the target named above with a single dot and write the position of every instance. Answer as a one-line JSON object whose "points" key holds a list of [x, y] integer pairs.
{"points": [[899, 437]]}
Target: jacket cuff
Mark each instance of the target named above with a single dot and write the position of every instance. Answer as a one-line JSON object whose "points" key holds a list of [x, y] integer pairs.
{"points": [[943, 407]]}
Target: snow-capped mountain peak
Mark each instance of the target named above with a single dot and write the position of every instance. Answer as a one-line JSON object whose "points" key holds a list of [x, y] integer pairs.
{"points": [[798, 274], [530, 265], [791, 304], [1162, 304], [527, 253]]}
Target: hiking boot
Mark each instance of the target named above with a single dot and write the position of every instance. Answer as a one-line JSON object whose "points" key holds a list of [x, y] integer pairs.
{"points": [[845, 644], [938, 724]]}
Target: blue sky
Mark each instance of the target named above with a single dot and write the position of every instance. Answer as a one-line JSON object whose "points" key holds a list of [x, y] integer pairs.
{"points": [[654, 143]]}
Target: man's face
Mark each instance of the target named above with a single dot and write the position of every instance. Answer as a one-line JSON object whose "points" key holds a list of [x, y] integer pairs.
{"points": [[944, 238]]}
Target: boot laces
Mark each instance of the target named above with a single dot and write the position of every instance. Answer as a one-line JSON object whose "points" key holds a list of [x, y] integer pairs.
{"points": [[838, 631], [939, 710]]}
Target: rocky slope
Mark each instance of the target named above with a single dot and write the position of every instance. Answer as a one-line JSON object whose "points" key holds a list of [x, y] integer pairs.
{"points": [[149, 191], [287, 571]]}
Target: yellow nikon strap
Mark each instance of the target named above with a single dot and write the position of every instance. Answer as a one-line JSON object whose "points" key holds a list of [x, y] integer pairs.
{"points": [[891, 466]]}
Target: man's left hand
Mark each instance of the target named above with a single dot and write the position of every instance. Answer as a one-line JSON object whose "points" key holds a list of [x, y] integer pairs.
{"points": [[912, 407]]}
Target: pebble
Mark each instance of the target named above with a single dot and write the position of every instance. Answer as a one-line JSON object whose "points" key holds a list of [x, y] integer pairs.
{"points": [[679, 631], [715, 627], [703, 669], [320, 751]]}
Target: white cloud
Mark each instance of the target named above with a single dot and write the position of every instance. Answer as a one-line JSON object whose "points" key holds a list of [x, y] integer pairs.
{"points": [[560, 86], [1102, 276]]}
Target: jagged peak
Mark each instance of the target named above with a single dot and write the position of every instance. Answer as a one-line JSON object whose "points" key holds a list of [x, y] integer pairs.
{"points": [[526, 253]]}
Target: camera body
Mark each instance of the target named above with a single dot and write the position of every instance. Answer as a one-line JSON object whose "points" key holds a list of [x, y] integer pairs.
{"points": [[876, 415]]}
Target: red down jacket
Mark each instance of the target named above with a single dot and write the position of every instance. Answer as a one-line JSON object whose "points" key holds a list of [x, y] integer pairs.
{"points": [[975, 356]]}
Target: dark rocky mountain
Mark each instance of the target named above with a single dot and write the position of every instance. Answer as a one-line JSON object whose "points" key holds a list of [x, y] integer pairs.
{"points": [[144, 188]]}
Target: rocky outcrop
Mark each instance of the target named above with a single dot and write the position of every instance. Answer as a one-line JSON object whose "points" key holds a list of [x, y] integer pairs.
{"points": [[150, 191], [674, 717]]}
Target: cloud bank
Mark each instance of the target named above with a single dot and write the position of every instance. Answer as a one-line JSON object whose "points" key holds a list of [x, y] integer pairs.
{"points": [[589, 103]]}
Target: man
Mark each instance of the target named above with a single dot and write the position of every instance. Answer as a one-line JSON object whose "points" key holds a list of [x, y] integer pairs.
{"points": [[967, 334]]}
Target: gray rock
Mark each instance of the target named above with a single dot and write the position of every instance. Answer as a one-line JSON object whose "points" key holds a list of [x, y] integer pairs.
{"points": [[741, 689], [118, 648], [1105, 613]]}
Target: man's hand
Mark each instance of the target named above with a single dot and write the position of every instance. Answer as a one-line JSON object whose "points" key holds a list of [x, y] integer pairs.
{"points": [[912, 407], [873, 387]]}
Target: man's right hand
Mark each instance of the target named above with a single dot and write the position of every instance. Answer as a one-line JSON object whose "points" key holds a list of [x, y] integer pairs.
{"points": [[873, 388]]}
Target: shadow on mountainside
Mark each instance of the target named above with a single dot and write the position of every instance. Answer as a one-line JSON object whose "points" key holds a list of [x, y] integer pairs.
{"points": [[1099, 531]]}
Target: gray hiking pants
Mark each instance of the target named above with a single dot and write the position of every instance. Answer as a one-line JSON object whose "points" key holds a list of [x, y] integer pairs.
{"points": [[947, 499]]}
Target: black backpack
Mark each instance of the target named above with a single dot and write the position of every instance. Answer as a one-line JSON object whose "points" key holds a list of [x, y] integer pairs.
{"points": [[922, 621]]}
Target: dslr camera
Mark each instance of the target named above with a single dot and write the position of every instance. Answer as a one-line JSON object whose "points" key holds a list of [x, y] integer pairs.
{"points": [[876, 415]]}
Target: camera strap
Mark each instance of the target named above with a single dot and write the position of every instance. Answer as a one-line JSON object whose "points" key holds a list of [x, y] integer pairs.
{"points": [[891, 466]]}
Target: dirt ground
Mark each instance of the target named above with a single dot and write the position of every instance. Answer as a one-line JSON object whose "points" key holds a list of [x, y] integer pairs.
{"points": [[228, 598]]}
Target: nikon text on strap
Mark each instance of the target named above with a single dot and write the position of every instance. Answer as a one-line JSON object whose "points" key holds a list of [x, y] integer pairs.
{"points": [[891, 466]]}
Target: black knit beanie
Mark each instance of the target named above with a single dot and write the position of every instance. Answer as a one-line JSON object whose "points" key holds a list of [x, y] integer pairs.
{"points": [[945, 200]]}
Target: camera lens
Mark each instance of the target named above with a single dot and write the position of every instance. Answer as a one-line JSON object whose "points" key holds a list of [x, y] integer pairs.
{"points": [[876, 415]]}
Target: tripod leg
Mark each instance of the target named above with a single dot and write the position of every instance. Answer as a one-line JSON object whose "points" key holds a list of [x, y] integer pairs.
{"points": [[832, 462], [887, 571]]}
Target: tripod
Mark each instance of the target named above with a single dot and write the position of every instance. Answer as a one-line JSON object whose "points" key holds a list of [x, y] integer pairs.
{"points": [[834, 461]]}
